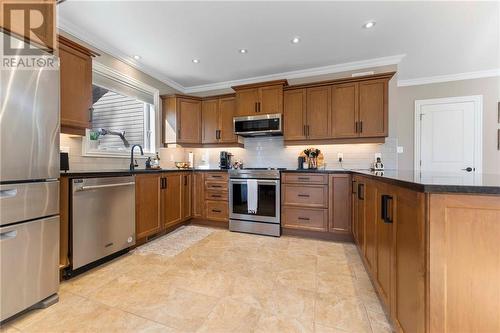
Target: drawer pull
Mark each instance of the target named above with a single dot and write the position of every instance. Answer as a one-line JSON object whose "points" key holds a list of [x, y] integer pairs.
{"points": [[216, 196], [215, 186], [303, 178], [304, 218], [214, 176], [216, 211], [303, 195]]}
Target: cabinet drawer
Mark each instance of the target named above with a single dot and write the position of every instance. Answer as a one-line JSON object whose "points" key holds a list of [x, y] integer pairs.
{"points": [[216, 195], [307, 196], [216, 176], [218, 186], [305, 178], [216, 210], [305, 218]]}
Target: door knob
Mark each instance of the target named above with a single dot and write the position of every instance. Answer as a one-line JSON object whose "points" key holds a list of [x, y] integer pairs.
{"points": [[468, 169]]}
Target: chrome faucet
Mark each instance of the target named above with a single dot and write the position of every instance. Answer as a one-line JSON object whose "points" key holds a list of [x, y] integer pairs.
{"points": [[132, 162]]}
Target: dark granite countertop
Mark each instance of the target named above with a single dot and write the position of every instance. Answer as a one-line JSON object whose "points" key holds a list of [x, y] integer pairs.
{"points": [[126, 172], [430, 182]]}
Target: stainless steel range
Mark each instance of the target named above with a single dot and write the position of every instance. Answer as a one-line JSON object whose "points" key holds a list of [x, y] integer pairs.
{"points": [[254, 201]]}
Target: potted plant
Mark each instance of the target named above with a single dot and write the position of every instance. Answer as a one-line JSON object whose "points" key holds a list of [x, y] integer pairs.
{"points": [[94, 139], [312, 157]]}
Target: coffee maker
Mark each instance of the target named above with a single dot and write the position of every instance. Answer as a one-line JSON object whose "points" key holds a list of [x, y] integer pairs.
{"points": [[225, 160]]}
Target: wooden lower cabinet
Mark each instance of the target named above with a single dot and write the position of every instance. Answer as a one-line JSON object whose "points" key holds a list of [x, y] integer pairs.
{"points": [[210, 196], [340, 204], [198, 195], [171, 198], [148, 199], [305, 218]]}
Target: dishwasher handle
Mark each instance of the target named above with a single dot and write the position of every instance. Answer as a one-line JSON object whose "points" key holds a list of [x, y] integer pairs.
{"points": [[95, 187]]}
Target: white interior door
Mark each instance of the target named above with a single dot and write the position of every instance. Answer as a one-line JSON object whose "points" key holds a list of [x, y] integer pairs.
{"points": [[448, 134]]}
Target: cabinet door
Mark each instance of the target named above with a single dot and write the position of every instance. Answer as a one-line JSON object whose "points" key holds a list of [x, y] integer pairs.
{"points": [[409, 261], [340, 204], [210, 121], [270, 99], [189, 121], [384, 223], [318, 112], [198, 194], [76, 88], [147, 205], [373, 115], [171, 200], [344, 110], [246, 102], [186, 183], [371, 204], [294, 114], [227, 109]]}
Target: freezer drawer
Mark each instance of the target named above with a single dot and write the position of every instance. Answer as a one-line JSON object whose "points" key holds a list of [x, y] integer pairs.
{"points": [[103, 217], [29, 261], [26, 201]]}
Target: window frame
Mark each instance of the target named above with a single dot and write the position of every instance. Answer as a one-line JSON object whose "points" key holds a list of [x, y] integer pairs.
{"points": [[115, 75]]}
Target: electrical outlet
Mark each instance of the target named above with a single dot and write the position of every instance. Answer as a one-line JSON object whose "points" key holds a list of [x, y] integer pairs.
{"points": [[378, 155], [400, 149], [340, 157]]}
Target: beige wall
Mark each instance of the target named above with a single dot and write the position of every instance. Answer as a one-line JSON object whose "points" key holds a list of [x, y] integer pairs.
{"points": [[402, 106]]}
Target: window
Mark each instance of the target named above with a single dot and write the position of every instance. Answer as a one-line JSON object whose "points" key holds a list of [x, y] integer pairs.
{"points": [[124, 113]]}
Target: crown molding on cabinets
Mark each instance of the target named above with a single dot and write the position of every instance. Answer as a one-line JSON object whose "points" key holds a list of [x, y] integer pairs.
{"points": [[450, 77]]}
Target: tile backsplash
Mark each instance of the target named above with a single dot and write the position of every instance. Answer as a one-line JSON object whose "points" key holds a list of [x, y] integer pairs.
{"points": [[258, 153], [272, 152]]}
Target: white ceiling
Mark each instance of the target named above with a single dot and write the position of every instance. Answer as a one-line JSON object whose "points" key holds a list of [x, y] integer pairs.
{"points": [[436, 38]]}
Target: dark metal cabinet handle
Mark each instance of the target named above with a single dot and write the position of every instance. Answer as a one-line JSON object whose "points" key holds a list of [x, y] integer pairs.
{"points": [[361, 127], [215, 176], [308, 130], [304, 218], [185, 180], [216, 196], [216, 186], [303, 178], [357, 127], [303, 195], [361, 191], [256, 107], [216, 211], [304, 130], [178, 133], [385, 208], [90, 114]]}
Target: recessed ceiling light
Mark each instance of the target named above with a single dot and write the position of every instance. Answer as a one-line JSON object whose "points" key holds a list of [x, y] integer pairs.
{"points": [[136, 57], [369, 24], [243, 51], [295, 40], [195, 61]]}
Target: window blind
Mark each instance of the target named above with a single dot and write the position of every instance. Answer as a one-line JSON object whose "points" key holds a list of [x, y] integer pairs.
{"points": [[116, 112]]}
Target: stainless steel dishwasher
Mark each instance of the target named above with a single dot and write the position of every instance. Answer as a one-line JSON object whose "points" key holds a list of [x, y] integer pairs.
{"points": [[103, 218]]}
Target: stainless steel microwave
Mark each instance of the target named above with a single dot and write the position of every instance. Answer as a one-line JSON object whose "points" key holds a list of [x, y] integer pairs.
{"points": [[261, 125]]}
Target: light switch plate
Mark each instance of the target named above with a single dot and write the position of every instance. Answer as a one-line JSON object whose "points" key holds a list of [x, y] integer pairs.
{"points": [[340, 157]]}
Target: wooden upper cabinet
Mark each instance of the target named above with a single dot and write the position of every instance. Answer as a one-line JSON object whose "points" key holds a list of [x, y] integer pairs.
{"points": [[76, 86], [318, 112], [271, 99], [189, 121], [373, 108], [181, 119], [147, 205], [261, 98], [345, 110], [294, 114], [247, 101], [227, 109], [210, 121]]}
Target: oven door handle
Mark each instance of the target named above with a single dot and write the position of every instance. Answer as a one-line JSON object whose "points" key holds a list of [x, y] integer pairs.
{"points": [[259, 181]]}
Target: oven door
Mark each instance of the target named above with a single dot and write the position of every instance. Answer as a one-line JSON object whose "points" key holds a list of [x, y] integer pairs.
{"points": [[268, 200]]}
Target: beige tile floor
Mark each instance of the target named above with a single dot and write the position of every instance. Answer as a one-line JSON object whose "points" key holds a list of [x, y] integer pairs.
{"points": [[227, 282]]}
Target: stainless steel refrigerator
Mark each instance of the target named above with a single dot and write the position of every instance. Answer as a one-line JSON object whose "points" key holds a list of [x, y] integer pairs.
{"points": [[29, 188]]}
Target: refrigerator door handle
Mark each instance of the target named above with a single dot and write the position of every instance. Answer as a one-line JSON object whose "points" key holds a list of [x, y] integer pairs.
{"points": [[8, 235], [10, 193]]}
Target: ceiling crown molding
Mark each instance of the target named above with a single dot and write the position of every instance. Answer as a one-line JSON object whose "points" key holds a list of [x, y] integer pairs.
{"points": [[449, 77], [73, 30], [309, 72]]}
